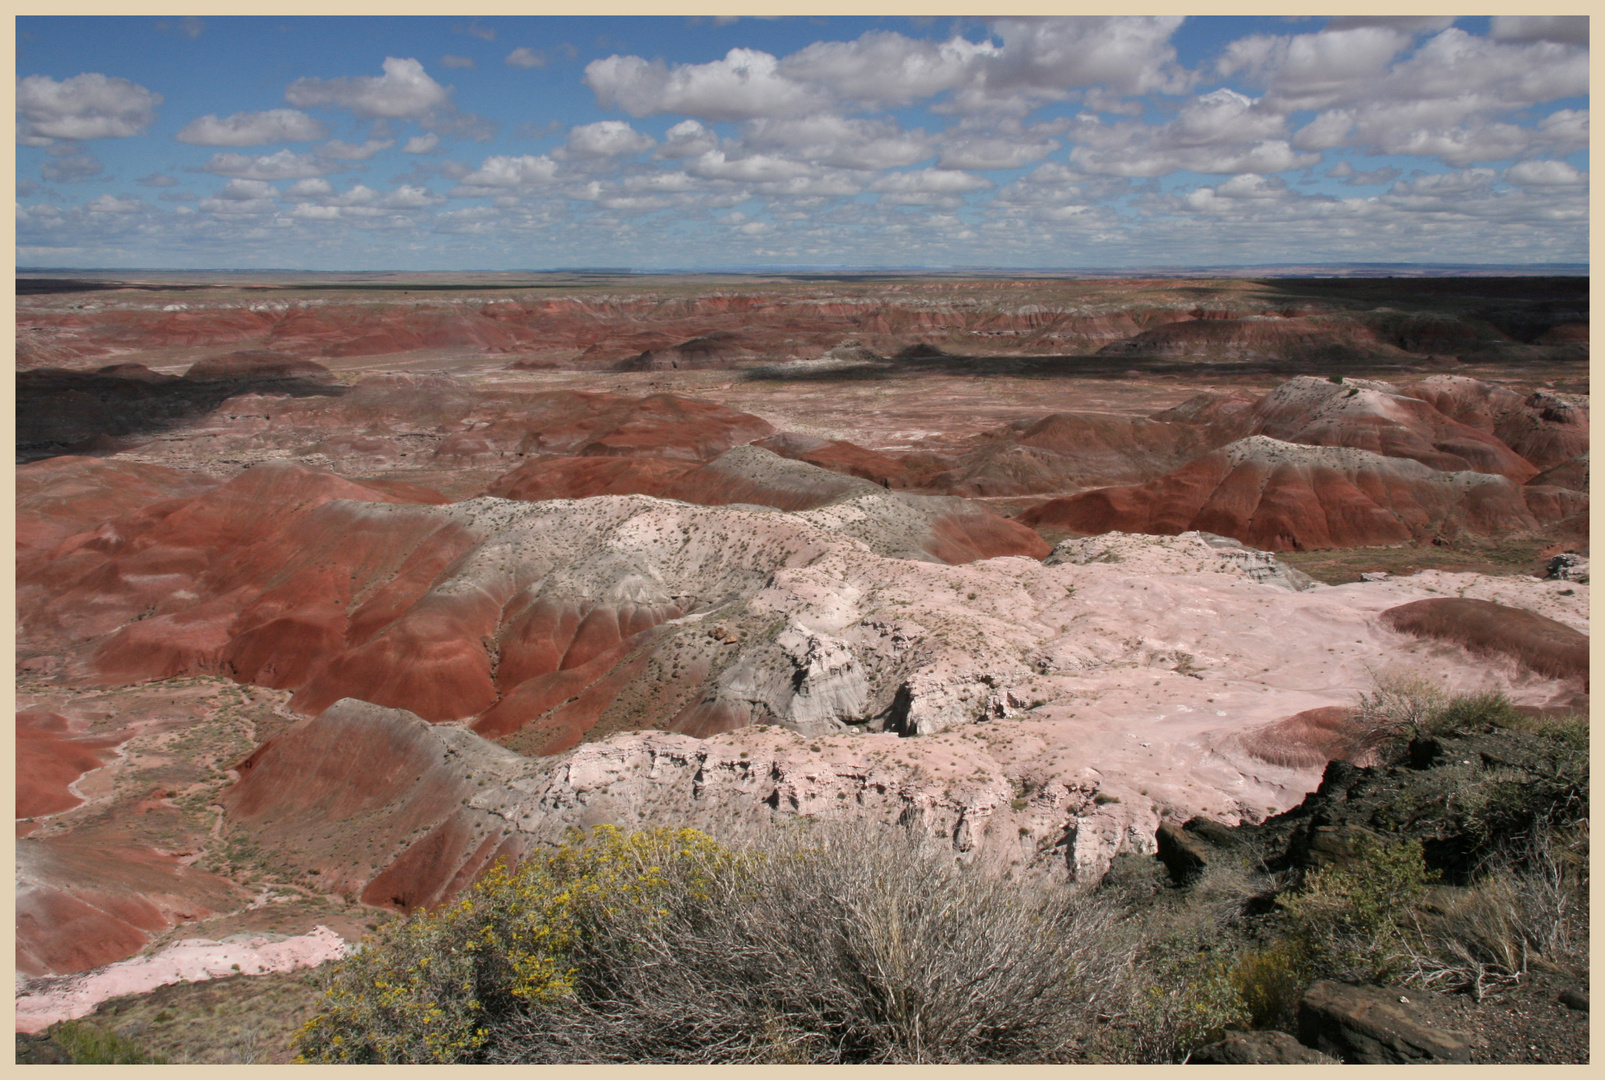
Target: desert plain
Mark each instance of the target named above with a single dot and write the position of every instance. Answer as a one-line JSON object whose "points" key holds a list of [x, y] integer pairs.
{"points": [[335, 590]]}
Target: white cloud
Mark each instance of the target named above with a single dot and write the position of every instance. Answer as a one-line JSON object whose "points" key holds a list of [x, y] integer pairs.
{"points": [[451, 61], [928, 187], [744, 85], [246, 190], [1219, 132], [523, 57], [404, 92], [312, 188], [981, 152], [284, 165], [421, 144], [886, 68], [1316, 71], [835, 141], [344, 151], [110, 204], [1039, 60], [502, 172], [252, 129], [157, 180], [687, 139], [714, 165], [88, 106], [1545, 174], [604, 139], [410, 197]]}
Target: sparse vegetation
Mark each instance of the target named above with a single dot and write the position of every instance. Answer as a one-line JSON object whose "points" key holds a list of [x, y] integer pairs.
{"points": [[86, 1044], [828, 945]]}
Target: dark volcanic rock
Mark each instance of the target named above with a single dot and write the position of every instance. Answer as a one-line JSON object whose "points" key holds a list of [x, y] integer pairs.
{"points": [[1369, 1025]]}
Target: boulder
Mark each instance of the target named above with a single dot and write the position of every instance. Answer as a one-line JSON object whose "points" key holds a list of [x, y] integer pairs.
{"points": [[1371, 1025]]}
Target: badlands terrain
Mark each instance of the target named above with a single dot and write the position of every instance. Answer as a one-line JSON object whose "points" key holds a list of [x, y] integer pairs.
{"points": [[332, 592]]}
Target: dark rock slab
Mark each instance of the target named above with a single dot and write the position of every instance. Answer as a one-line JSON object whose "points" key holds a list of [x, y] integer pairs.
{"points": [[1370, 1025]]}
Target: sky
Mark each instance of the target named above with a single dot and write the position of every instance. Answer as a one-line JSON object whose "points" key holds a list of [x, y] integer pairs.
{"points": [[502, 143]]}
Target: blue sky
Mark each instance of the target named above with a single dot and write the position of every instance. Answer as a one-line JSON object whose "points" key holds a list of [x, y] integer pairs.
{"points": [[513, 143]]}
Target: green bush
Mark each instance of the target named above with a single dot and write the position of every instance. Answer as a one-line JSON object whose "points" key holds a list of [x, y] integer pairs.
{"points": [[431, 988], [1350, 920], [1476, 712], [86, 1044], [1270, 981]]}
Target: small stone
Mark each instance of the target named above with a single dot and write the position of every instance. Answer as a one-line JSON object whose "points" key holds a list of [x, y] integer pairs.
{"points": [[1574, 998]]}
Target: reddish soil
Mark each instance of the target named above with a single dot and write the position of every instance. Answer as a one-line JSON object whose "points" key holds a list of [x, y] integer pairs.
{"points": [[1543, 645], [50, 757]]}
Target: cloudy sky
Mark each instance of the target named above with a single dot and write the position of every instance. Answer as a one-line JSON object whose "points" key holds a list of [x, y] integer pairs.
{"points": [[512, 143]]}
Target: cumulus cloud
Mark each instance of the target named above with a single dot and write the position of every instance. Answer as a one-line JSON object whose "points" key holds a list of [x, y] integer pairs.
{"points": [[88, 106], [1449, 98], [982, 152], [687, 139], [245, 190], [604, 139], [1219, 132], [110, 204], [1545, 174], [1315, 71], [404, 92], [252, 129], [501, 172], [344, 151], [928, 187], [1038, 60], [421, 144], [839, 142], [524, 57], [284, 165], [744, 85]]}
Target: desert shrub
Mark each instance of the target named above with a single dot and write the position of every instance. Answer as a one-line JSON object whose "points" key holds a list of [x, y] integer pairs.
{"points": [[828, 944], [1398, 708], [1270, 980], [87, 1044], [1180, 995], [1350, 919], [432, 988], [1475, 712]]}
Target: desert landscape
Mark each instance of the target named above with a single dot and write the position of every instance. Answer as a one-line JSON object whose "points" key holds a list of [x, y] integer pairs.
{"points": [[854, 539], [335, 593]]}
